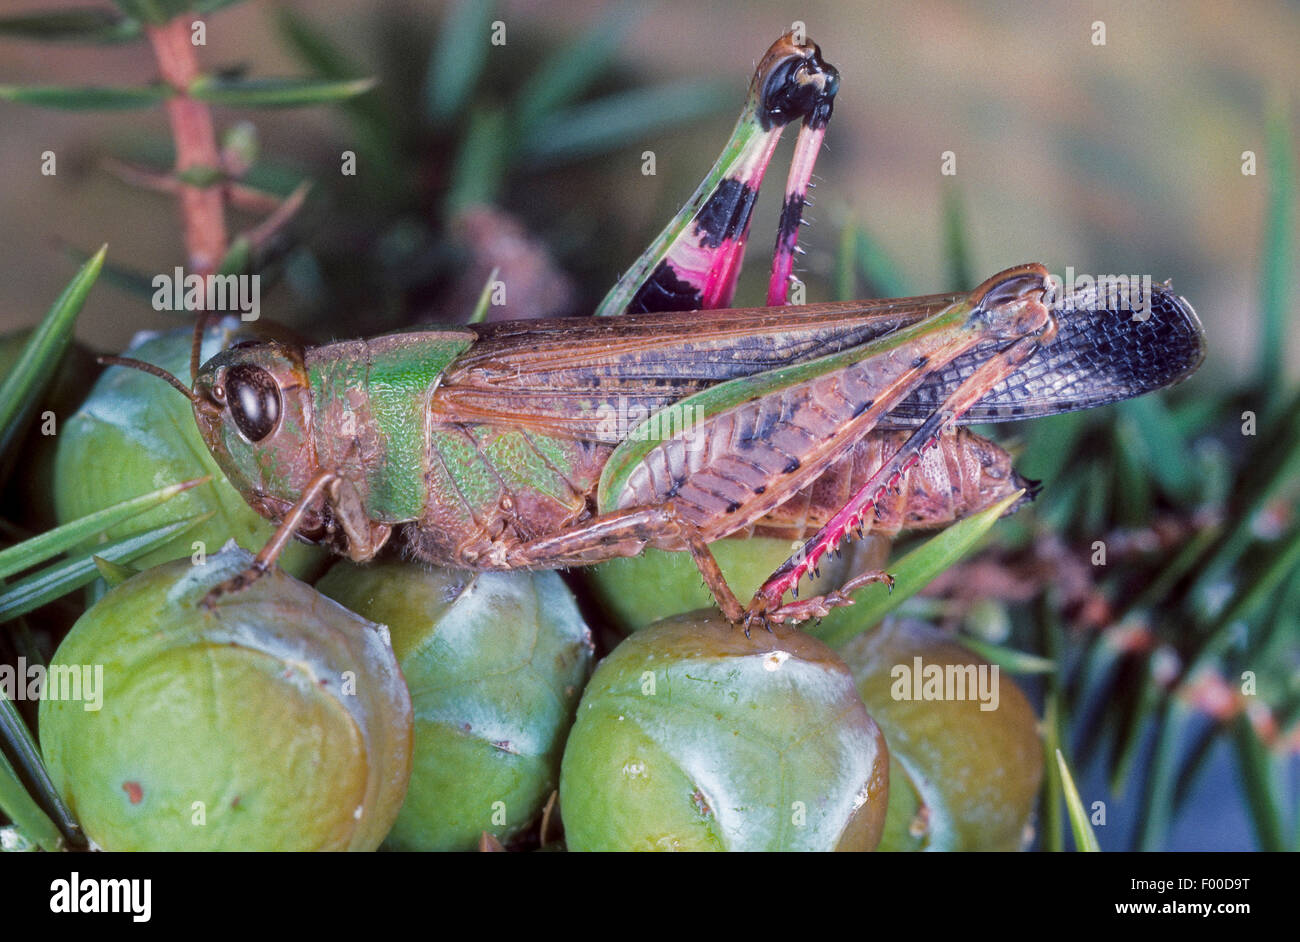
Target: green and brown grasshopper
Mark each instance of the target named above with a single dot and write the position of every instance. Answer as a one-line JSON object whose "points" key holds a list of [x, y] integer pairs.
{"points": [[509, 445]]}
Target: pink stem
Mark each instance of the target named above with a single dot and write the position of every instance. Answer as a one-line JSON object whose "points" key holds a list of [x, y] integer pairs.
{"points": [[202, 207]]}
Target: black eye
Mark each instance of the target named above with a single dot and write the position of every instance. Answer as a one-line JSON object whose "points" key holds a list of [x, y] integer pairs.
{"points": [[254, 401]]}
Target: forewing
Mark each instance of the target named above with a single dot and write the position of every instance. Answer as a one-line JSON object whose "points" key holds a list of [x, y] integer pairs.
{"points": [[1100, 355], [596, 378]]}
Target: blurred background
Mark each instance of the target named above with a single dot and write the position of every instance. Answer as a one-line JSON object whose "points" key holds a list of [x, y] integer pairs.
{"points": [[1118, 158], [1122, 157]]}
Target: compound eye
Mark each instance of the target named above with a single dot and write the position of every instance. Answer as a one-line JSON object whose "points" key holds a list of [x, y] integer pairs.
{"points": [[254, 401]]}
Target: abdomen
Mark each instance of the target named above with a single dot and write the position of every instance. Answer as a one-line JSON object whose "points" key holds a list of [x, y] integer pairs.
{"points": [[490, 486]]}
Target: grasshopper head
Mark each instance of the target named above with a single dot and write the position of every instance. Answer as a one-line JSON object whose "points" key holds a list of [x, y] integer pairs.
{"points": [[1014, 303], [252, 404]]}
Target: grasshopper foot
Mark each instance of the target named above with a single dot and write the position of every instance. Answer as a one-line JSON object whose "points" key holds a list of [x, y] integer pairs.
{"points": [[764, 612], [866, 578], [756, 617], [819, 606]]}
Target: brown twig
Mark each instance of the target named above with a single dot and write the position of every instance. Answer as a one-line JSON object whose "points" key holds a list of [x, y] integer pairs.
{"points": [[240, 195], [284, 212], [202, 208]]}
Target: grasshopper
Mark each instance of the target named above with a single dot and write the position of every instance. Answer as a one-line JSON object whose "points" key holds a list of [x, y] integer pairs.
{"points": [[509, 445]]}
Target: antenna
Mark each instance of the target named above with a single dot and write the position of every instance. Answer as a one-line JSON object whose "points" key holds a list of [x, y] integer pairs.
{"points": [[154, 370], [196, 345]]}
